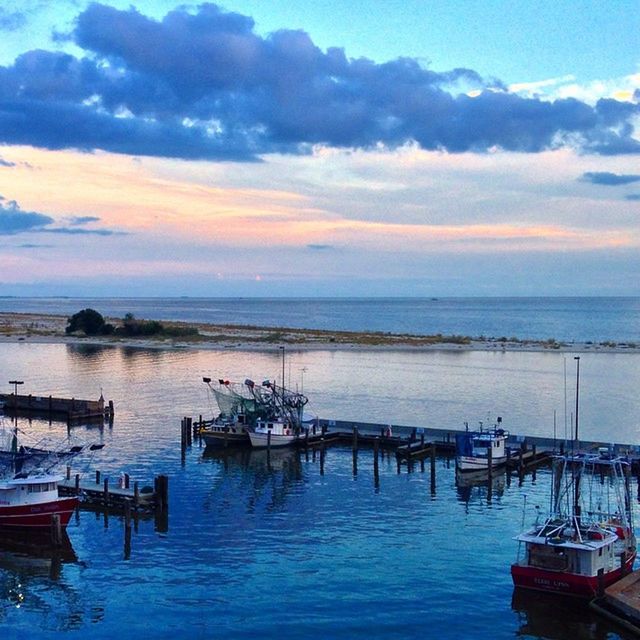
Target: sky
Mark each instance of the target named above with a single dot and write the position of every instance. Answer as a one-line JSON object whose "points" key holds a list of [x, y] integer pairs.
{"points": [[378, 148]]}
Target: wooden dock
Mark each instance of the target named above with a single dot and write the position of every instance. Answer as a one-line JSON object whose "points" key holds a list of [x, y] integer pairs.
{"points": [[99, 491], [621, 602], [70, 409]]}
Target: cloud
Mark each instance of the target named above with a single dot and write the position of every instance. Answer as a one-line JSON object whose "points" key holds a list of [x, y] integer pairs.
{"points": [[204, 85], [80, 220], [319, 247], [609, 179], [6, 163], [13, 220], [633, 197], [74, 231], [11, 20]]}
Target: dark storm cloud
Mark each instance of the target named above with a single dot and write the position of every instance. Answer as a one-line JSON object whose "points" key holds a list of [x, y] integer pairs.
{"points": [[609, 179], [205, 85]]}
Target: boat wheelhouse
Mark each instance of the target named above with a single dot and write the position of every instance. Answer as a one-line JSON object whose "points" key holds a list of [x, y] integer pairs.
{"points": [[587, 542], [476, 450], [31, 500]]}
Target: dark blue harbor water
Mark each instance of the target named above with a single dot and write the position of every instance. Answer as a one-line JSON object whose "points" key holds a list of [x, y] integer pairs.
{"points": [[566, 319], [264, 548]]}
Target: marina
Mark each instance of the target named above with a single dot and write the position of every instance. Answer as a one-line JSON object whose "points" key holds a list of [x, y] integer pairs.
{"points": [[362, 513]]}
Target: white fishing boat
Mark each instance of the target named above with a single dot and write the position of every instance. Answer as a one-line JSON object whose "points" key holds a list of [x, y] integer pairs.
{"points": [[282, 424], [475, 450], [238, 412], [587, 541], [274, 432]]}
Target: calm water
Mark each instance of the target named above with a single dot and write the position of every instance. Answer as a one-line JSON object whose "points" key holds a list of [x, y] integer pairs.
{"points": [[261, 548], [567, 319]]}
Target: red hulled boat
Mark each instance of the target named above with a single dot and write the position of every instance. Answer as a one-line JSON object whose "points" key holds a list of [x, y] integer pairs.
{"points": [[29, 501], [587, 542]]}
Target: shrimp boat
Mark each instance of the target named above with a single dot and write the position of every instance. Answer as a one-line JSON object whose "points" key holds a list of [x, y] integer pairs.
{"points": [[238, 412], [587, 541], [28, 485], [475, 450], [282, 424]]}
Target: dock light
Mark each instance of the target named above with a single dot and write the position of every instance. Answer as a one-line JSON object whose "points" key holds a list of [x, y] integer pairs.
{"points": [[15, 384]]}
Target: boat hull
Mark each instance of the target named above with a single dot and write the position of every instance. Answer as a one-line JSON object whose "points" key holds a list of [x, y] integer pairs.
{"points": [[38, 515], [470, 463], [217, 440], [570, 584], [261, 440]]}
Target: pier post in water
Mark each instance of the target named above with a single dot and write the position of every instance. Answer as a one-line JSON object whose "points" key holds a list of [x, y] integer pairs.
{"points": [[56, 531], [376, 474], [433, 468]]}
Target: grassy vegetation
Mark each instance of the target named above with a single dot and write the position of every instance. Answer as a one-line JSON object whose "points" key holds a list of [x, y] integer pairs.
{"points": [[133, 329]]}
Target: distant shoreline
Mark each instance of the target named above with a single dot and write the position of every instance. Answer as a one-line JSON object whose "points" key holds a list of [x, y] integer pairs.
{"points": [[50, 329]]}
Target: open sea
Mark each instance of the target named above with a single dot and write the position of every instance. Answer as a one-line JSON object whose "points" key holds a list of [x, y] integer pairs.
{"points": [[267, 548]]}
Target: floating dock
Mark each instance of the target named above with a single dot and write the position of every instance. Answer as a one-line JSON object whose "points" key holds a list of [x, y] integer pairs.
{"points": [[70, 409]]}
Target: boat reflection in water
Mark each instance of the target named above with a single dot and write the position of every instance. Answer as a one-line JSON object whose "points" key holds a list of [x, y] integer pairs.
{"points": [[32, 553], [29, 562], [474, 486], [571, 618], [259, 479]]}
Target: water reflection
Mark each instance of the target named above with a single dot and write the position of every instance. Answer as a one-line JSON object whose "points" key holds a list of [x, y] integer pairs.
{"points": [[550, 616], [260, 477], [475, 486], [31, 577]]}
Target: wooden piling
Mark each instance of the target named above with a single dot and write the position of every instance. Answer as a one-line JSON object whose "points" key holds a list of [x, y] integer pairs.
{"points": [[127, 531], [56, 530], [97, 476], [106, 492], [600, 583], [355, 437], [376, 475], [268, 441], [433, 468], [490, 461], [77, 484], [322, 454], [136, 495]]}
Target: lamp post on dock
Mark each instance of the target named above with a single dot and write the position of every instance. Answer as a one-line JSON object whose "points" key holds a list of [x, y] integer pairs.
{"points": [[15, 384], [577, 359]]}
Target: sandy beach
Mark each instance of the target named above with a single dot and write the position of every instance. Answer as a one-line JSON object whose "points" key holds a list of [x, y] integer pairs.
{"points": [[44, 328]]}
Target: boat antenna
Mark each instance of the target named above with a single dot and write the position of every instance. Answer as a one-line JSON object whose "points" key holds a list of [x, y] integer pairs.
{"points": [[282, 347]]}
